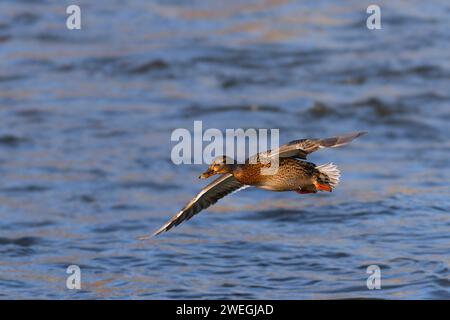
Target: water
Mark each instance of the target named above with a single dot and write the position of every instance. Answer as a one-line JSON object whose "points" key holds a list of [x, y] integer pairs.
{"points": [[86, 118]]}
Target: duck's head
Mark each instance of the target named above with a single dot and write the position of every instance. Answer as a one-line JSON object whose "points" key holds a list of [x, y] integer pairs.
{"points": [[220, 165]]}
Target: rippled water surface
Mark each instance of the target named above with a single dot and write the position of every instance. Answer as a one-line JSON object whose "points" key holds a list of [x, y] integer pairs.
{"points": [[86, 118]]}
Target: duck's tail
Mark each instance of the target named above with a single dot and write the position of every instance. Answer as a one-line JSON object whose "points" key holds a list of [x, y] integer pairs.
{"points": [[328, 177]]}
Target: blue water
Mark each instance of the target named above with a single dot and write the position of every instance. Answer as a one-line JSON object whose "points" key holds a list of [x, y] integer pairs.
{"points": [[85, 124]]}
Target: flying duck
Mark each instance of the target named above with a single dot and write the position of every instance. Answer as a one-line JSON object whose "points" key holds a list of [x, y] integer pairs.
{"points": [[293, 174]]}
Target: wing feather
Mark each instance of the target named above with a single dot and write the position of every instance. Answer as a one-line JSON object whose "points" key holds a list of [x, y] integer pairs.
{"points": [[208, 196], [301, 148]]}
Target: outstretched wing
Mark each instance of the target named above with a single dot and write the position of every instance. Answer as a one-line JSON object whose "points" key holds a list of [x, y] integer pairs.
{"points": [[209, 195], [301, 148]]}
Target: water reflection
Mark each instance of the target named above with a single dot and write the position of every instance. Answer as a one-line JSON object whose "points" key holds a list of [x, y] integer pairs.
{"points": [[85, 147]]}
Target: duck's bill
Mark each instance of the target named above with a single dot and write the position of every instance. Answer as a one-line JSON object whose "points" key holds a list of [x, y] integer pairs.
{"points": [[206, 174]]}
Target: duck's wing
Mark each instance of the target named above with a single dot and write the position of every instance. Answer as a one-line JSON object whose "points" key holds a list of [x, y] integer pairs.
{"points": [[209, 195], [301, 148]]}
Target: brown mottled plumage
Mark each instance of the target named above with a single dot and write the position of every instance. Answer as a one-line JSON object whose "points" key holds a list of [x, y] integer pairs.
{"points": [[293, 174]]}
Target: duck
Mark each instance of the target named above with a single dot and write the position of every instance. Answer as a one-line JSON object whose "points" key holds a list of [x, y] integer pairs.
{"points": [[293, 173]]}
